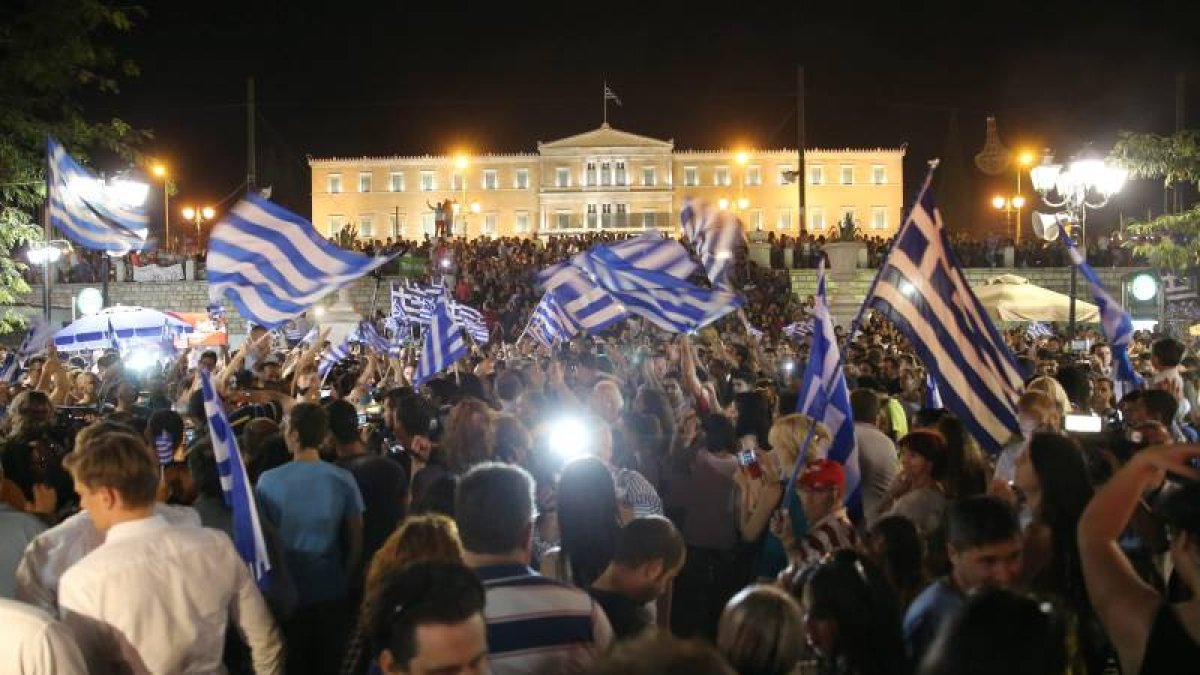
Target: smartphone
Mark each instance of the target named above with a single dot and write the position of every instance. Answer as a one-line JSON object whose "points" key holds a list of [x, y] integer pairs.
{"points": [[1087, 424], [362, 419], [325, 393], [188, 436], [748, 460]]}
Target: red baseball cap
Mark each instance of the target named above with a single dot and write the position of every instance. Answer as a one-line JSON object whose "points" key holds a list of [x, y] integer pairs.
{"points": [[823, 474]]}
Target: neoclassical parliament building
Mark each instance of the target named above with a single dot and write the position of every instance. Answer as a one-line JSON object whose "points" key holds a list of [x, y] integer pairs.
{"points": [[606, 179]]}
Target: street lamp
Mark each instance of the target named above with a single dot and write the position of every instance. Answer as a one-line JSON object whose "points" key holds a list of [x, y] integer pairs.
{"points": [[1081, 185], [198, 217], [46, 253], [1010, 205], [159, 170]]}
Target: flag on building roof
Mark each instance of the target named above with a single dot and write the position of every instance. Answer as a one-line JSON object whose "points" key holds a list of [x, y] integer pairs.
{"points": [[825, 398], [235, 484], [1114, 320], [921, 289], [444, 344], [273, 265], [89, 212]]}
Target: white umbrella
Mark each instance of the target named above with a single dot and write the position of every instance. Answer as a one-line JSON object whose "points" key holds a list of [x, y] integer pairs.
{"points": [[119, 327], [1009, 297]]}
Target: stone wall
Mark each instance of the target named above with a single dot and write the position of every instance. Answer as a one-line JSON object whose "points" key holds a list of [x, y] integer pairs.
{"points": [[192, 296]]}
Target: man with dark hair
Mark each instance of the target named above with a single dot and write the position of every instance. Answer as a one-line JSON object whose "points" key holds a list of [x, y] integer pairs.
{"points": [[111, 376], [1165, 356], [383, 483], [317, 509], [983, 539], [509, 387], [877, 457], [427, 619], [189, 579], [649, 553], [535, 624]]}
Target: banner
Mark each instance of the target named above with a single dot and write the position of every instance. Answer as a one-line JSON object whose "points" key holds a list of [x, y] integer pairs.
{"points": [[153, 273], [413, 266]]}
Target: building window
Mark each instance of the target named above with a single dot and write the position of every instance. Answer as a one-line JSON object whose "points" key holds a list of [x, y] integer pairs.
{"points": [[364, 182], [427, 224], [456, 182], [605, 173], [589, 174], [564, 220], [428, 181], [648, 219], [878, 175], [753, 175], [489, 224], [691, 177], [591, 215], [785, 219], [366, 226], [816, 175], [622, 215], [396, 182], [606, 220], [721, 176], [756, 220], [847, 175], [335, 225], [490, 179], [522, 221], [621, 178], [879, 218], [784, 170], [396, 226], [521, 179], [816, 219], [562, 177], [335, 183], [649, 179]]}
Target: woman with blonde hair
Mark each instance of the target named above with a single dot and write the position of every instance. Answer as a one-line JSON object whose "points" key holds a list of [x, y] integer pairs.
{"points": [[1050, 387], [761, 483], [762, 631], [426, 538], [1036, 411]]}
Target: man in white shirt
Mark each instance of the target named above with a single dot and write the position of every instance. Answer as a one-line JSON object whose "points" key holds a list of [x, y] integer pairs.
{"points": [[877, 458], [33, 643], [152, 597]]}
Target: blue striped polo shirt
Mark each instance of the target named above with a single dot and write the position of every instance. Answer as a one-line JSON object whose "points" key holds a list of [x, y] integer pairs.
{"points": [[539, 625]]}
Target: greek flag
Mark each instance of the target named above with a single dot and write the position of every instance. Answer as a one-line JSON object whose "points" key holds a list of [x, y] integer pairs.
{"points": [[1038, 329], [798, 330], [1114, 320], [239, 496], [10, 368], [716, 235], [824, 396], [609, 95], [753, 332], [646, 276], [471, 320], [332, 357], [933, 398], [921, 289], [273, 265], [90, 213], [549, 323], [369, 336], [444, 345]]}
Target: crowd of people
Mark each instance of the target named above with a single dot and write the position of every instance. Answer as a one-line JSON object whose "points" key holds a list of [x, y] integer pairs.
{"points": [[632, 502]]}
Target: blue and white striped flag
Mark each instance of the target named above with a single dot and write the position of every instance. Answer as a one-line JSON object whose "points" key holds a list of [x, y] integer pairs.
{"points": [[369, 336], [332, 357], [549, 323], [825, 398], [273, 265], [716, 235], [472, 321], [239, 496], [921, 289], [1114, 320], [444, 345], [933, 398], [587, 305], [798, 330], [1038, 329], [90, 213], [10, 368], [753, 332]]}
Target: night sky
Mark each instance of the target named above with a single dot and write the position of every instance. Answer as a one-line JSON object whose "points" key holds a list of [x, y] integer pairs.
{"points": [[346, 78]]}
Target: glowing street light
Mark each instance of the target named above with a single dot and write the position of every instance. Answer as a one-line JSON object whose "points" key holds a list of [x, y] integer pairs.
{"points": [[742, 157], [159, 170], [723, 203], [198, 216], [461, 162]]}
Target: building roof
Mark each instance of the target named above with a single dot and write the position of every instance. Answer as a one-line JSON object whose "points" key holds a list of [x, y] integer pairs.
{"points": [[606, 136]]}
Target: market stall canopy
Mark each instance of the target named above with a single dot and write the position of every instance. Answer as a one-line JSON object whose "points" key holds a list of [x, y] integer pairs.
{"points": [[119, 327], [1009, 297]]}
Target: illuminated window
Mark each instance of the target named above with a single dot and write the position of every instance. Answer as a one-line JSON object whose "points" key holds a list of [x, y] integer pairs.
{"points": [[562, 177], [785, 219], [364, 182], [721, 176], [691, 177], [753, 175], [649, 177], [396, 182], [335, 183], [366, 226], [879, 218], [521, 179], [522, 221], [847, 175], [490, 179], [428, 181], [878, 175], [816, 175]]}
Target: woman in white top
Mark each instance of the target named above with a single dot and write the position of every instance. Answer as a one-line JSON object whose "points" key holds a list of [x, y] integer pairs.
{"points": [[1036, 411], [917, 492]]}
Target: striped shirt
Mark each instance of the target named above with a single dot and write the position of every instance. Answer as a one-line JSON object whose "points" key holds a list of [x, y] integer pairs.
{"points": [[829, 534], [634, 491], [537, 625]]}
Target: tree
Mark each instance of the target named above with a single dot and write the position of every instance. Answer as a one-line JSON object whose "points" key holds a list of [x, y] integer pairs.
{"points": [[1174, 237], [52, 52]]}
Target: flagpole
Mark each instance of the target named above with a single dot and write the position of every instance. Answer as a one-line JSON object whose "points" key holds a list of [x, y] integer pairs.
{"points": [[824, 400], [46, 243], [604, 96]]}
